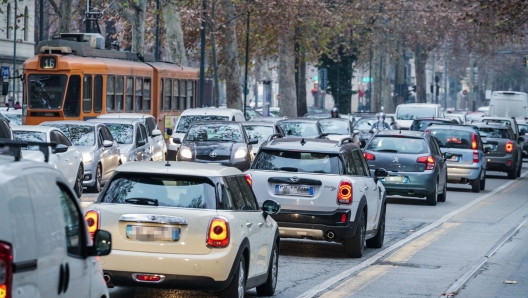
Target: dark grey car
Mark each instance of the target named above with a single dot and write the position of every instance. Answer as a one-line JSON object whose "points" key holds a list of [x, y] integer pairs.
{"points": [[414, 162], [261, 131], [301, 128]]}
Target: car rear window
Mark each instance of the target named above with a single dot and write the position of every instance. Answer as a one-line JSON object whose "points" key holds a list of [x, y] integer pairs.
{"points": [[497, 133], [260, 132], [299, 129], [161, 190], [421, 125], [294, 161], [333, 126], [398, 145], [452, 138]]}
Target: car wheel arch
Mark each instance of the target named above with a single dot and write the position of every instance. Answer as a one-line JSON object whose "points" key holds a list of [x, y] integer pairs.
{"points": [[362, 207], [243, 250]]}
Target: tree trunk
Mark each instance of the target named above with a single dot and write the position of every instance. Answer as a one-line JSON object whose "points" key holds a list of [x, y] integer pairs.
{"points": [[134, 13], [288, 100], [302, 108], [174, 33], [388, 103], [213, 54], [420, 59], [375, 93], [402, 88], [230, 53]]}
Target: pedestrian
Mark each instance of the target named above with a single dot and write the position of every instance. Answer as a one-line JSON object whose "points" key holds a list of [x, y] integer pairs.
{"points": [[17, 105]]}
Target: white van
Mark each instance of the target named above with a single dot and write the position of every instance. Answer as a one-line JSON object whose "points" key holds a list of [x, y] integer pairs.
{"points": [[45, 247], [199, 114], [406, 113], [509, 104]]}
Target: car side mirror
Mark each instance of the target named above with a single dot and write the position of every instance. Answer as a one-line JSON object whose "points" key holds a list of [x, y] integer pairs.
{"points": [[102, 245], [141, 143], [487, 150], [107, 143], [176, 140], [156, 132], [362, 143], [521, 139], [356, 132], [253, 141], [380, 173], [449, 155], [60, 148], [270, 207], [168, 131]]}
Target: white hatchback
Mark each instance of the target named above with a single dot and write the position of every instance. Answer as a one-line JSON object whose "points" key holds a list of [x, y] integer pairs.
{"points": [[188, 226]]}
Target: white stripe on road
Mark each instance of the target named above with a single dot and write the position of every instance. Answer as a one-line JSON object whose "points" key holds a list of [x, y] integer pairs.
{"points": [[334, 280]]}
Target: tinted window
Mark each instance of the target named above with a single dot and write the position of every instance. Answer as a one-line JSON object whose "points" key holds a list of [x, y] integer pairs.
{"points": [[398, 145], [247, 193], [73, 223], [151, 125], [63, 139], [98, 94], [309, 162], [335, 126], [171, 191], [453, 138], [144, 134], [4, 131], [360, 164], [300, 129], [489, 132], [237, 195], [106, 134], [350, 165], [72, 102]]}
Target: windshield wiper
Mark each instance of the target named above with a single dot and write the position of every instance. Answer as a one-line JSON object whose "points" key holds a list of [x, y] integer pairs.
{"points": [[289, 169], [142, 201], [388, 150]]}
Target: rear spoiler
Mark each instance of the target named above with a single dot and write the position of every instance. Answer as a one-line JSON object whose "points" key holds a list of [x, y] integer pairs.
{"points": [[16, 146]]}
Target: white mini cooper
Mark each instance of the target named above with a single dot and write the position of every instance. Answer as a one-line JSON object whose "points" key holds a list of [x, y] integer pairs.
{"points": [[187, 225]]}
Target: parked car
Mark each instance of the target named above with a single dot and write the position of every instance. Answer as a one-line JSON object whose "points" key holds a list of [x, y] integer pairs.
{"points": [[14, 116], [158, 147], [503, 152], [101, 154], [261, 131], [421, 124], [339, 128], [64, 157], [160, 221], [217, 142], [406, 113], [326, 191], [466, 163], [301, 127], [415, 164], [45, 248], [132, 137]]}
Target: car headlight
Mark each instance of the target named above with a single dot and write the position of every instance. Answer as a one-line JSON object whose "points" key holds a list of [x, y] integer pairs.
{"points": [[185, 152], [88, 157], [241, 152]]}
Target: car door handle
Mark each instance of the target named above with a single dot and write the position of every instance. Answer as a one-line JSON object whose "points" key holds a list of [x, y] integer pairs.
{"points": [[260, 224], [366, 187], [249, 224], [67, 159]]}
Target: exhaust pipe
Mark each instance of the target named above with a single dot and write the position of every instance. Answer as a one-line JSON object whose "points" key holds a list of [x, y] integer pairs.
{"points": [[330, 234]]}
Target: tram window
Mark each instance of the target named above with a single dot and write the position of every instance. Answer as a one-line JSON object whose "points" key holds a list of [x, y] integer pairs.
{"points": [[139, 94], [161, 97], [189, 93], [110, 93], [168, 94], [87, 94], [120, 87], [176, 95], [129, 94], [73, 97], [146, 94], [183, 90], [98, 94]]}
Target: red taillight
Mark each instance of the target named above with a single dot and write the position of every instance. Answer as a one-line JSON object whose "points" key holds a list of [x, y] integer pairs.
{"points": [[343, 217], [475, 157], [473, 141], [249, 179], [218, 233], [369, 156], [92, 221], [427, 130], [509, 147], [428, 161], [344, 193], [148, 277], [6, 270]]}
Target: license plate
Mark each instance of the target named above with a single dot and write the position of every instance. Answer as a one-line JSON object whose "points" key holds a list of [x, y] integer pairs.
{"points": [[294, 190], [455, 158], [143, 233], [492, 147], [394, 178]]}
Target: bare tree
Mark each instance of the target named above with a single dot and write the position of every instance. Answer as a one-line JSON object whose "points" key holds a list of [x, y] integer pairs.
{"points": [[230, 54], [134, 11], [173, 32], [64, 11]]}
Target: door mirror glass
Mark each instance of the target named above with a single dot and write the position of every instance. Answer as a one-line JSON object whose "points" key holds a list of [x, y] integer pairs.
{"points": [[271, 207], [253, 141], [486, 150], [448, 155], [168, 131], [156, 132], [380, 173], [60, 148], [107, 143], [102, 243], [141, 143], [176, 140]]}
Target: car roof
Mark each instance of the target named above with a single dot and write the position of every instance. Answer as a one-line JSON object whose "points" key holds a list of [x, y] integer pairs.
{"points": [[209, 111], [497, 118], [492, 125], [115, 120], [420, 105], [37, 128], [178, 168], [124, 116], [258, 123], [406, 133], [72, 122], [307, 120], [323, 145]]}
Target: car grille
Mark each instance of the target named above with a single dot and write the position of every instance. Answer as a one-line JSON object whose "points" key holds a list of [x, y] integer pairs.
{"points": [[216, 158]]}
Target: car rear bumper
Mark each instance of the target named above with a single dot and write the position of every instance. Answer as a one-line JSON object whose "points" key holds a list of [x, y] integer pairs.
{"points": [[417, 184], [500, 163], [462, 173]]}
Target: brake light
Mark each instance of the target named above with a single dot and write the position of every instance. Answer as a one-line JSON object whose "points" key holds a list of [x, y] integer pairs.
{"points": [[509, 147], [427, 130], [343, 218], [473, 141], [344, 193], [6, 270], [249, 179], [475, 157], [218, 234], [428, 161], [148, 277], [369, 156], [92, 221]]}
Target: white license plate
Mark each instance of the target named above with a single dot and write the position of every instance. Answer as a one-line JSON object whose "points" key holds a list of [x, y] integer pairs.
{"points": [[455, 158], [294, 190], [394, 178], [143, 233], [214, 163]]}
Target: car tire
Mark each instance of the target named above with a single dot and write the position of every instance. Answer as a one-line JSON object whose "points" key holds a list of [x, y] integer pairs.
{"points": [[475, 185], [377, 241], [442, 197], [512, 174], [78, 187], [237, 288], [431, 198], [98, 178], [268, 289], [355, 246], [519, 170], [483, 182]]}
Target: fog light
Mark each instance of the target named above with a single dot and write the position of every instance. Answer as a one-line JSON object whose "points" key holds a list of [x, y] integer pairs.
{"points": [[87, 177]]}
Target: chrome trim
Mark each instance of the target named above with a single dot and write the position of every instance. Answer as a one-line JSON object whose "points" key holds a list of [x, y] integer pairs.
{"points": [[154, 218], [162, 277]]}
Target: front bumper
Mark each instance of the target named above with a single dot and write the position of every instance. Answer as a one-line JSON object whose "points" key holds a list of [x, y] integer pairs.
{"points": [[415, 184], [90, 168], [500, 163], [460, 173]]}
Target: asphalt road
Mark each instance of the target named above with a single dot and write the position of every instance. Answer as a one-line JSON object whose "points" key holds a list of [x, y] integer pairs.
{"points": [[473, 245]]}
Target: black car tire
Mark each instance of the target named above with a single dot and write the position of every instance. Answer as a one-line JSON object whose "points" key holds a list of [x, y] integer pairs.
{"points": [[519, 170], [237, 287], [98, 178], [268, 289], [512, 174], [483, 182], [431, 198], [377, 241], [79, 187], [475, 185], [355, 246], [442, 197]]}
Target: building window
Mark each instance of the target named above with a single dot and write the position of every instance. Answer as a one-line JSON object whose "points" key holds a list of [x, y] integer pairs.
{"points": [[26, 24], [8, 19]]}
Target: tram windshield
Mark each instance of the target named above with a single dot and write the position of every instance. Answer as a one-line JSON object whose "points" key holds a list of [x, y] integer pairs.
{"points": [[46, 91]]}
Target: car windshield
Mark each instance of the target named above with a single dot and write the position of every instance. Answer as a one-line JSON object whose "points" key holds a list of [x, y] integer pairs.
{"points": [[122, 133], [411, 113], [79, 135], [497, 133], [185, 121], [260, 132], [452, 138], [15, 119], [160, 190], [30, 136], [300, 129], [46, 91], [335, 127], [215, 133], [497, 121], [474, 116], [398, 145], [293, 161]]}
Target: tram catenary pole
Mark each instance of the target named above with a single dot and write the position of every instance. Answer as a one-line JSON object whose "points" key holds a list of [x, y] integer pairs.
{"points": [[202, 56], [14, 52]]}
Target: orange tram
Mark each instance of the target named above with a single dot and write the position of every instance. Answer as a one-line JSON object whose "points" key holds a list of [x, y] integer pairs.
{"points": [[68, 79]]}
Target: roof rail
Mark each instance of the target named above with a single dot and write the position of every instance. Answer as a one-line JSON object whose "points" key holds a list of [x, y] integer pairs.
{"points": [[274, 136], [16, 146], [345, 140]]}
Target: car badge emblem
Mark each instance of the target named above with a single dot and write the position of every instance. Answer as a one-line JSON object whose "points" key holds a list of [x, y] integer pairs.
{"points": [[395, 160], [152, 217], [294, 179], [213, 154]]}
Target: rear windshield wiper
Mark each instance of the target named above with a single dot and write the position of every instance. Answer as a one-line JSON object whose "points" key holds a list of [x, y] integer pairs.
{"points": [[142, 201], [388, 150]]}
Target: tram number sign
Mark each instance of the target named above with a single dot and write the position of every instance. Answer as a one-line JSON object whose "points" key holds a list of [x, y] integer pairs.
{"points": [[48, 62]]}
